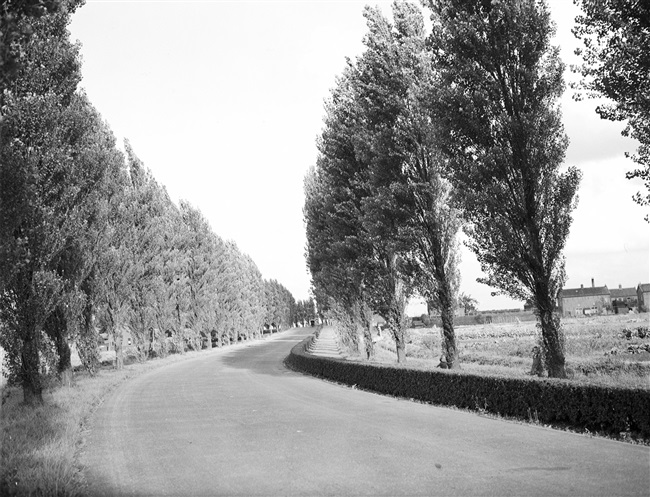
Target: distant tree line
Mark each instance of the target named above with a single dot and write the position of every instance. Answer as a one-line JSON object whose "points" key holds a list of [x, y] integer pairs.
{"points": [[90, 242]]}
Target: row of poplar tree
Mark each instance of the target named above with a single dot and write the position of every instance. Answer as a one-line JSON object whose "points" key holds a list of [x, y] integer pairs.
{"points": [[434, 129], [90, 242]]}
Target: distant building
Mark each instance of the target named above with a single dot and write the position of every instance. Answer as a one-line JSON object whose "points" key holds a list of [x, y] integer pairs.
{"points": [[109, 343], [623, 299], [584, 301], [643, 296]]}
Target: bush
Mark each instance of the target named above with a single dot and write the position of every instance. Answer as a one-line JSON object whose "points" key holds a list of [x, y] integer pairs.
{"points": [[607, 409]]}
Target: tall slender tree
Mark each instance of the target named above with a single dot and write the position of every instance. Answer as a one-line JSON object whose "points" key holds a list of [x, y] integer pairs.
{"points": [[379, 175], [48, 178], [500, 128], [148, 209], [397, 83]]}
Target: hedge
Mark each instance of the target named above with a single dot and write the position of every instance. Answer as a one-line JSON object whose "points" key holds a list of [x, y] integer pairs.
{"points": [[612, 410]]}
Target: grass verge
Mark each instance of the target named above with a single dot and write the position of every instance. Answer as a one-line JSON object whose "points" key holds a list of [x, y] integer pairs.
{"points": [[39, 446]]}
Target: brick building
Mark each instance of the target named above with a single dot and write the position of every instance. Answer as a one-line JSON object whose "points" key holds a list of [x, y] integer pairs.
{"points": [[643, 296], [623, 299], [581, 301]]}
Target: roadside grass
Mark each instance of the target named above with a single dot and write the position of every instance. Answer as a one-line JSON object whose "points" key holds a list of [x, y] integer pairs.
{"points": [[597, 349], [39, 443], [39, 446]]}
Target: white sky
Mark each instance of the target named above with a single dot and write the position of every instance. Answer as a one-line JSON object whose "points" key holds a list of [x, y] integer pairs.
{"points": [[223, 101]]}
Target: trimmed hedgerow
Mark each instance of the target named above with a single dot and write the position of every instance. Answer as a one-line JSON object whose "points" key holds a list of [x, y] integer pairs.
{"points": [[607, 409]]}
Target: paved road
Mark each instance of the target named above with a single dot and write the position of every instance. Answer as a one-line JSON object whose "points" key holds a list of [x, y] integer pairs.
{"points": [[237, 422]]}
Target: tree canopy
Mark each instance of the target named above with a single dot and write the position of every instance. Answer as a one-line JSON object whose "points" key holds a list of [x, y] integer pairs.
{"points": [[427, 133], [90, 243], [380, 220], [616, 65], [499, 125]]}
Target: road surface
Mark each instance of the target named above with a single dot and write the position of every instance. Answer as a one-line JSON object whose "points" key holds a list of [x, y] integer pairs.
{"points": [[235, 421]]}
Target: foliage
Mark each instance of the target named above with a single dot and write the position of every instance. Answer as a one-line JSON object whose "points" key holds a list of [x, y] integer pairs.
{"points": [[467, 303], [616, 65], [338, 252], [380, 218], [501, 131], [16, 17], [89, 241], [609, 410], [305, 311], [55, 159], [280, 305], [152, 225]]}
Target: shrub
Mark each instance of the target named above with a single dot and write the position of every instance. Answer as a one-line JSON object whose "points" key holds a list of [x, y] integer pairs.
{"points": [[608, 409]]}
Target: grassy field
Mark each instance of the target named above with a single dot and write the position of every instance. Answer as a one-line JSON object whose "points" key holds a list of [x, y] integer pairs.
{"points": [[607, 350]]}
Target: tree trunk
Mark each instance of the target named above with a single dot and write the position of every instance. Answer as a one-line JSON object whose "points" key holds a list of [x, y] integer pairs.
{"points": [[87, 343], [30, 372], [179, 335], [87, 346], [66, 377], [552, 337], [139, 334], [450, 349], [64, 368], [152, 337], [396, 325], [449, 339], [367, 340], [400, 346], [119, 353], [56, 326], [366, 321], [396, 315]]}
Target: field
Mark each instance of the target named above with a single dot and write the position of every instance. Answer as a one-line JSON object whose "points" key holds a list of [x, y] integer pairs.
{"points": [[610, 350]]}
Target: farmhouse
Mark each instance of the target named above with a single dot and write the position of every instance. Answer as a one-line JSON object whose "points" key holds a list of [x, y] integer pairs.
{"points": [[643, 296], [578, 301], [623, 299]]}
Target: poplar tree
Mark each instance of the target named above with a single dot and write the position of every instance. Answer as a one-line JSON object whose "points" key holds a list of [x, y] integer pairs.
{"points": [[149, 207], [397, 83], [51, 166], [500, 128], [338, 252], [377, 198]]}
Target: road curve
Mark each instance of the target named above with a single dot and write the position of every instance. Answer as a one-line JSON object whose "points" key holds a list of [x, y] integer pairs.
{"points": [[235, 421]]}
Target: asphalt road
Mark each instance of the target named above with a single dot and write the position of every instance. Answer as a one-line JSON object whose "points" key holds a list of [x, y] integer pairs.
{"points": [[237, 422]]}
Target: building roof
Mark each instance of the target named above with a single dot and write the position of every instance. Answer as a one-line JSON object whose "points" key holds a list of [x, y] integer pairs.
{"points": [[645, 287], [621, 293], [589, 291]]}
